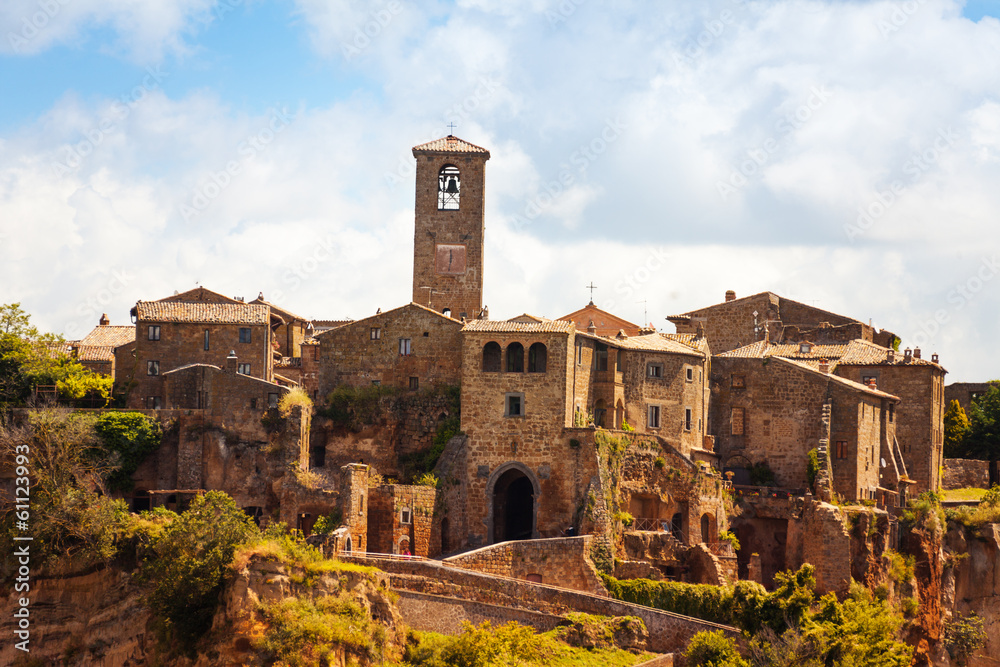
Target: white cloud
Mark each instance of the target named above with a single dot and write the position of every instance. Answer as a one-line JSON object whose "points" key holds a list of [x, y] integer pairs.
{"points": [[144, 29]]}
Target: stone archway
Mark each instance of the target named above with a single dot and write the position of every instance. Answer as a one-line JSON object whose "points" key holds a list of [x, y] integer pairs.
{"points": [[513, 494]]}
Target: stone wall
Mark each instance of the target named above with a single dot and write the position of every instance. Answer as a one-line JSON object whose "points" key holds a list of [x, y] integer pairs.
{"points": [[667, 631], [819, 537], [368, 352], [401, 518], [961, 473], [563, 562], [438, 613]]}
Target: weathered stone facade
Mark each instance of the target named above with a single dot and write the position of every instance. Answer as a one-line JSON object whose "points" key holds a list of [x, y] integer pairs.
{"points": [[963, 473], [449, 227], [410, 347], [401, 520]]}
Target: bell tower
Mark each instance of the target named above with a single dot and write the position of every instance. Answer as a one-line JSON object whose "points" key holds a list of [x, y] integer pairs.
{"points": [[449, 227]]}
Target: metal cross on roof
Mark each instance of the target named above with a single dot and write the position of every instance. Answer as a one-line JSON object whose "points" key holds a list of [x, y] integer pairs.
{"points": [[592, 287], [451, 128]]}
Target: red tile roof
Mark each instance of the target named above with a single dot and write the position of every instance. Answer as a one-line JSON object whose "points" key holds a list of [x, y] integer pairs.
{"points": [[202, 313], [109, 336], [95, 353], [450, 144], [505, 326], [853, 353]]}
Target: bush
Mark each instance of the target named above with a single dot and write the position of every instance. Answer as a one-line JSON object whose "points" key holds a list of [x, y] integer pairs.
{"points": [[328, 523], [761, 474], [356, 407], [726, 536], [189, 563], [713, 649], [963, 636], [812, 467], [428, 479], [129, 437], [296, 397], [479, 646]]}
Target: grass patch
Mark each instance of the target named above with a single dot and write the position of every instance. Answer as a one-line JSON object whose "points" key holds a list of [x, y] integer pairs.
{"points": [[293, 553], [510, 644], [968, 494]]}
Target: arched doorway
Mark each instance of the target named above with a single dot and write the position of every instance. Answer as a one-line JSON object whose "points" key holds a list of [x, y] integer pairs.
{"points": [[514, 496]]}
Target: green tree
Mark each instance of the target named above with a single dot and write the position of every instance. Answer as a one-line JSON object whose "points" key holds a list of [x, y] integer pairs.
{"points": [[188, 564], [713, 649], [71, 513], [956, 427], [983, 438], [128, 437], [29, 358]]}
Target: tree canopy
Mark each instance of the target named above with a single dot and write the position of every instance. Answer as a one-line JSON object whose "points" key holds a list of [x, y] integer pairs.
{"points": [[982, 439]]}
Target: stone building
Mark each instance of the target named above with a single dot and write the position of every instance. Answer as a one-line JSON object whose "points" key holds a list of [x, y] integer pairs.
{"points": [[410, 347], [965, 393], [172, 334], [605, 323], [96, 351], [769, 317], [771, 404], [449, 228]]}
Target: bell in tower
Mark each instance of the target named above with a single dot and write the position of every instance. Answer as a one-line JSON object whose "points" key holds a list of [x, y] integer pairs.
{"points": [[448, 188]]}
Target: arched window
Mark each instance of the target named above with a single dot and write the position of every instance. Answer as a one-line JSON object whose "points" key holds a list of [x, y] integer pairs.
{"points": [[537, 355], [449, 188], [515, 358], [491, 357]]}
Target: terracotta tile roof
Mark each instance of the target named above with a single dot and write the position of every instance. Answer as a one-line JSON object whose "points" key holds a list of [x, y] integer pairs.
{"points": [[853, 353], [503, 326], [109, 336], [95, 353], [207, 313], [450, 144], [287, 315], [322, 330], [655, 342]]}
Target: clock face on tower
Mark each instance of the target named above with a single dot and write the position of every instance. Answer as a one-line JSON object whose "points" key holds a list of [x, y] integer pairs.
{"points": [[449, 259]]}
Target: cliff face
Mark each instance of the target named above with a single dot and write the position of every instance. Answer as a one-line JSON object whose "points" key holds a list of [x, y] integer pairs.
{"points": [[94, 617], [97, 617], [972, 584]]}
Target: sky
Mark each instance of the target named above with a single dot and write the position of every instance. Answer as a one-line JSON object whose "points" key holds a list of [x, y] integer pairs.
{"points": [[845, 154]]}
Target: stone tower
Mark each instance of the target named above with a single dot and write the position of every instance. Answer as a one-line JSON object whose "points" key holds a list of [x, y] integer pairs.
{"points": [[448, 234]]}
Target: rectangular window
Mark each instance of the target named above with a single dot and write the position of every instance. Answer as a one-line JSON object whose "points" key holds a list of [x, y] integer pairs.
{"points": [[514, 405], [738, 382], [153, 332], [618, 360], [841, 449], [243, 369], [253, 403], [892, 412], [245, 335], [687, 419], [206, 339], [414, 384], [653, 418], [376, 333], [405, 516], [579, 353], [272, 400], [404, 347], [654, 370], [689, 374], [152, 368], [601, 357], [736, 417], [154, 403]]}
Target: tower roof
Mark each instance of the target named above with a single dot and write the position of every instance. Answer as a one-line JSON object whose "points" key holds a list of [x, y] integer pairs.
{"points": [[450, 144]]}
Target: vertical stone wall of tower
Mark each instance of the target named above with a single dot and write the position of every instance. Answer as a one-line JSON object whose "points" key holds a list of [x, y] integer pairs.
{"points": [[448, 242]]}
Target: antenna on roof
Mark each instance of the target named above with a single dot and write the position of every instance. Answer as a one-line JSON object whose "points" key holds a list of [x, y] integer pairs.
{"points": [[645, 312]]}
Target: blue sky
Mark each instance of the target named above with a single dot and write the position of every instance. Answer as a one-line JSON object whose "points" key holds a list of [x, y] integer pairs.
{"points": [[839, 153]]}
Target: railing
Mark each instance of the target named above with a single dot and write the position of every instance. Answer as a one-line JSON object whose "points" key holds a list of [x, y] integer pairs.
{"points": [[374, 555], [765, 492], [640, 523], [724, 549]]}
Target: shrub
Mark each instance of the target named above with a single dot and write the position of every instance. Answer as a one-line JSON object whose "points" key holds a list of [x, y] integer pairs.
{"points": [[963, 636], [328, 523], [925, 512], [189, 562], [726, 536], [812, 467], [660, 462], [129, 437], [481, 646], [713, 649], [428, 479], [296, 397], [761, 474]]}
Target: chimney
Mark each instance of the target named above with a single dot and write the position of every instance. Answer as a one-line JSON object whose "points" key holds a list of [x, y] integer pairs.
{"points": [[104, 321], [730, 295], [824, 366], [592, 328], [934, 357], [231, 362], [892, 356], [916, 353], [906, 355]]}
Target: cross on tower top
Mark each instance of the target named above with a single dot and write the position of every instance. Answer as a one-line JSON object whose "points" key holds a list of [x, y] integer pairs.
{"points": [[591, 287], [451, 128]]}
